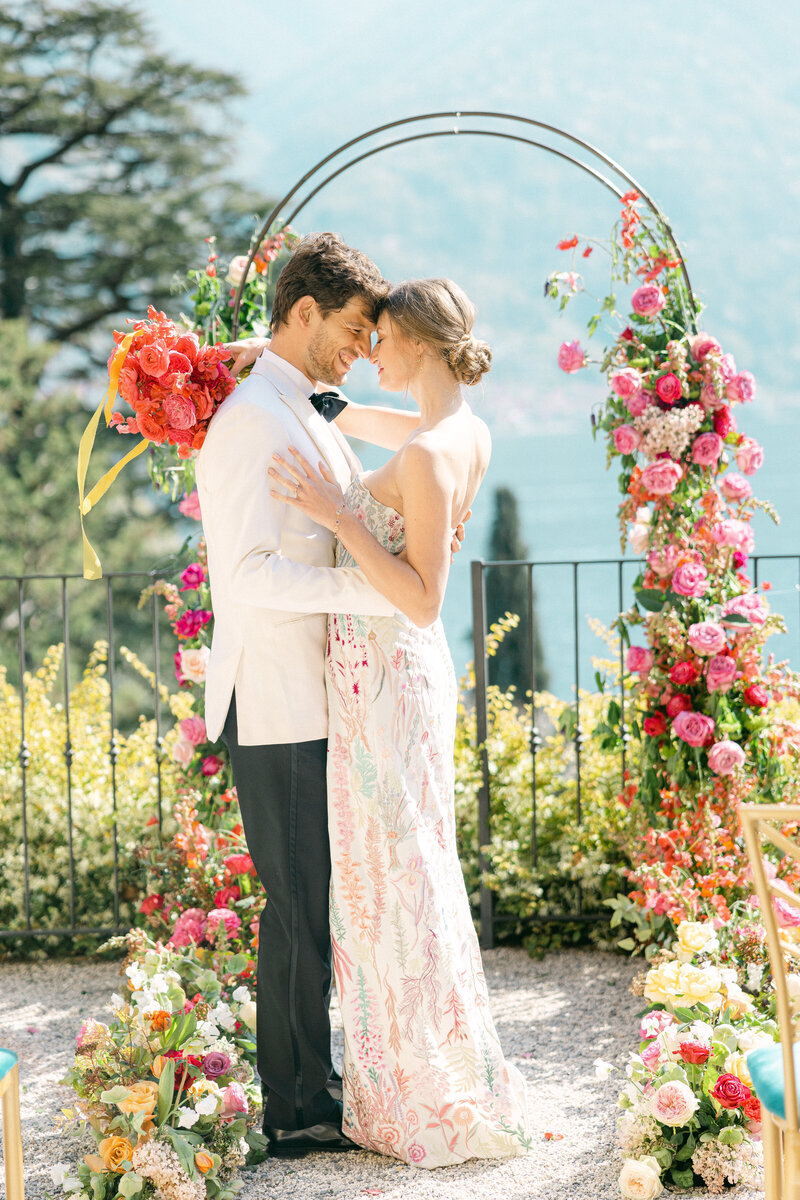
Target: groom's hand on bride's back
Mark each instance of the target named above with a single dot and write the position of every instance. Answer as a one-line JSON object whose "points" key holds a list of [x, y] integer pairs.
{"points": [[458, 535]]}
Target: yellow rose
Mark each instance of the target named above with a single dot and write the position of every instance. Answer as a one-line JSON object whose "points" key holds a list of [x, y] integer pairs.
{"points": [[142, 1097], [736, 1064], [661, 983], [700, 985], [737, 1001], [203, 1161], [694, 936], [113, 1153]]}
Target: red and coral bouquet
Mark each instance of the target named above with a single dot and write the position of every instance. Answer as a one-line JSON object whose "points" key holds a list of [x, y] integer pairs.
{"points": [[173, 384]]}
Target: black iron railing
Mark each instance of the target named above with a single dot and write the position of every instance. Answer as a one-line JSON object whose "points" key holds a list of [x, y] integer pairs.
{"points": [[37, 610], [616, 592]]}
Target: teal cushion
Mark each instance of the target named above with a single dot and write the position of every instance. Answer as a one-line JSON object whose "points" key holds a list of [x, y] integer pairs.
{"points": [[765, 1065], [8, 1059]]}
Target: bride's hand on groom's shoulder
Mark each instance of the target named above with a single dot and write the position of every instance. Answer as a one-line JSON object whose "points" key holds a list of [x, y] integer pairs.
{"points": [[316, 493], [244, 352]]}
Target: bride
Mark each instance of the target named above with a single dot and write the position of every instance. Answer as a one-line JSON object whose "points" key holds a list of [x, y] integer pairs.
{"points": [[424, 1076]]}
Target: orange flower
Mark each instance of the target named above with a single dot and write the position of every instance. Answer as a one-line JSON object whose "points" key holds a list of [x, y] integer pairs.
{"points": [[568, 243], [158, 1064], [161, 1019], [114, 1151], [203, 1161], [142, 1097]]}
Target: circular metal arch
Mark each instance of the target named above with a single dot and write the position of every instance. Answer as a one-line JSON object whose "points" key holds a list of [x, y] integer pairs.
{"points": [[318, 184]]}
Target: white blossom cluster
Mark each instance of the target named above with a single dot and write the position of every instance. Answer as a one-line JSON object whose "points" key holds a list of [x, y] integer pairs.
{"points": [[668, 431]]}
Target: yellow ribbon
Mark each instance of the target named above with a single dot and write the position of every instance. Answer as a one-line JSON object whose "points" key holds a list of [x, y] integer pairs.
{"points": [[91, 563]]}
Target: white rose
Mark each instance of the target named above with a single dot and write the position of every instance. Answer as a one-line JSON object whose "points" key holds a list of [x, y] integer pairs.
{"points": [[236, 270], [194, 663], [751, 1039], [187, 1117], [639, 537], [248, 1014], [674, 1103], [640, 1179]]}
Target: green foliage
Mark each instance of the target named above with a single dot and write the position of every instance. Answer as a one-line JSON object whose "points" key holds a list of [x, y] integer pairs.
{"points": [[117, 165], [46, 813], [507, 592]]}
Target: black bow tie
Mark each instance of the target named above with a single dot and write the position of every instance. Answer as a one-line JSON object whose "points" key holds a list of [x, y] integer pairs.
{"points": [[328, 404]]}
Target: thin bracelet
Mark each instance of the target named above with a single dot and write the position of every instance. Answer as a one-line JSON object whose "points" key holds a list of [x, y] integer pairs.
{"points": [[339, 512]]}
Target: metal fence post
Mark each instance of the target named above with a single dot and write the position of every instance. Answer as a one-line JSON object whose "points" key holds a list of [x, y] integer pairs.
{"points": [[482, 732]]}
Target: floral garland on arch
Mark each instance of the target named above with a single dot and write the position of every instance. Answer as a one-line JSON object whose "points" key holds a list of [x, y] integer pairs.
{"points": [[702, 701], [701, 695]]}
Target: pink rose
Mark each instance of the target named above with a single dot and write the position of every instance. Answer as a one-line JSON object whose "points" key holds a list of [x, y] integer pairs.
{"points": [[674, 1103], [749, 456], [189, 927], [211, 765], [647, 300], [749, 605], [193, 729], [721, 673], [742, 388], [703, 344], [652, 1055], [639, 660], [180, 412], [693, 728], [730, 532], [661, 477], [677, 704], [625, 382], [663, 561], [727, 366], [786, 914], [231, 922], [707, 637], [183, 752], [626, 439], [234, 1100], [690, 579], [190, 505], [725, 757], [668, 388], [639, 402], [706, 449], [655, 1022], [709, 398], [571, 357], [735, 487], [192, 577]]}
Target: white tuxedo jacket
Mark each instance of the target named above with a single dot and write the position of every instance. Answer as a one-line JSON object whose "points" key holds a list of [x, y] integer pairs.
{"points": [[271, 569]]}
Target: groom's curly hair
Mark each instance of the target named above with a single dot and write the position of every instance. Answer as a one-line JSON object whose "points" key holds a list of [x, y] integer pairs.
{"points": [[324, 267]]}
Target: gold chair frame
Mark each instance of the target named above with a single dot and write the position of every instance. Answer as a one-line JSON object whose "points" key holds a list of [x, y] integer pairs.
{"points": [[12, 1134], [781, 1136]]}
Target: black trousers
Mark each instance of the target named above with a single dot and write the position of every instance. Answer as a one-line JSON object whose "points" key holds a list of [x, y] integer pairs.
{"points": [[283, 801]]}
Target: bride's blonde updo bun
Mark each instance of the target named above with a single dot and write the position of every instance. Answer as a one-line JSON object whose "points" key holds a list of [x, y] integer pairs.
{"points": [[438, 313]]}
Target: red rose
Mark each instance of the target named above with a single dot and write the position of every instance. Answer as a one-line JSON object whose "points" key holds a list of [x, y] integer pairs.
{"points": [[730, 1091], [151, 904], [723, 421], [224, 897], [627, 334], [694, 1052], [669, 389], [240, 864], [756, 696], [656, 725], [752, 1108], [684, 673], [679, 703]]}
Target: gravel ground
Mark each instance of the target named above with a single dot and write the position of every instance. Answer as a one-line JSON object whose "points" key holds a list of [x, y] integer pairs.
{"points": [[554, 1018]]}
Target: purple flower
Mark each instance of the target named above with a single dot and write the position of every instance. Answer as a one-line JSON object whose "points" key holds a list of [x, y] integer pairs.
{"points": [[215, 1063]]}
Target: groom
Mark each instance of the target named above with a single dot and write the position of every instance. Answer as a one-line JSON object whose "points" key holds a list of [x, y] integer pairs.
{"points": [[272, 583]]}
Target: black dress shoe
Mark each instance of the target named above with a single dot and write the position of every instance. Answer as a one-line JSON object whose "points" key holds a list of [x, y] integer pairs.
{"points": [[293, 1143]]}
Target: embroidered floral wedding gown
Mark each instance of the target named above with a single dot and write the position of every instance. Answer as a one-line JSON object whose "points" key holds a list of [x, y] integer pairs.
{"points": [[424, 1075]]}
